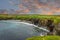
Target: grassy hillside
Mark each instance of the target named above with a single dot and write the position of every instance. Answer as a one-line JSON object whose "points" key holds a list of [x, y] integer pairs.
{"points": [[44, 38]]}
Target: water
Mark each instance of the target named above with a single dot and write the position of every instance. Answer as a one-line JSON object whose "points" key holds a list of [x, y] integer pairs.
{"points": [[15, 30]]}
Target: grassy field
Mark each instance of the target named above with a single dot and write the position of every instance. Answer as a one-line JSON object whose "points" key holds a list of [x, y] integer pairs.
{"points": [[44, 38], [27, 17]]}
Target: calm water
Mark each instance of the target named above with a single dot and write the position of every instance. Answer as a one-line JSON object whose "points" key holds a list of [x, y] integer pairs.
{"points": [[14, 30]]}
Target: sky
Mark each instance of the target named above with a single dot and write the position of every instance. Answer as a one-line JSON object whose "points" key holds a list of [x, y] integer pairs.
{"points": [[45, 7]]}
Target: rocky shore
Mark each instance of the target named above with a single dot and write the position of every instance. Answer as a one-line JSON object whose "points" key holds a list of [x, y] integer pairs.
{"points": [[54, 28]]}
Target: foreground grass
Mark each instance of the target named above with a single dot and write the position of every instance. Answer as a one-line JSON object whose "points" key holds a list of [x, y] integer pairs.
{"points": [[45, 38]]}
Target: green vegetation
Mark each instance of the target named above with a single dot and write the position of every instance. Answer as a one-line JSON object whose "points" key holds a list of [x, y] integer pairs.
{"points": [[45, 38], [27, 17]]}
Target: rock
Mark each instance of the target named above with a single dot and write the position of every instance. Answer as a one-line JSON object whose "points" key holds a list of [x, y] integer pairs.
{"points": [[50, 26], [42, 23], [58, 29]]}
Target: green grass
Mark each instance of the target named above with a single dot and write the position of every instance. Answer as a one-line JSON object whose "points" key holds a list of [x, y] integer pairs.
{"points": [[44, 38], [27, 17]]}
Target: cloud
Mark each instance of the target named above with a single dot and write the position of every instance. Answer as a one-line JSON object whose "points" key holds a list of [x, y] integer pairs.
{"points": [[48, 7], [13, 2]]}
